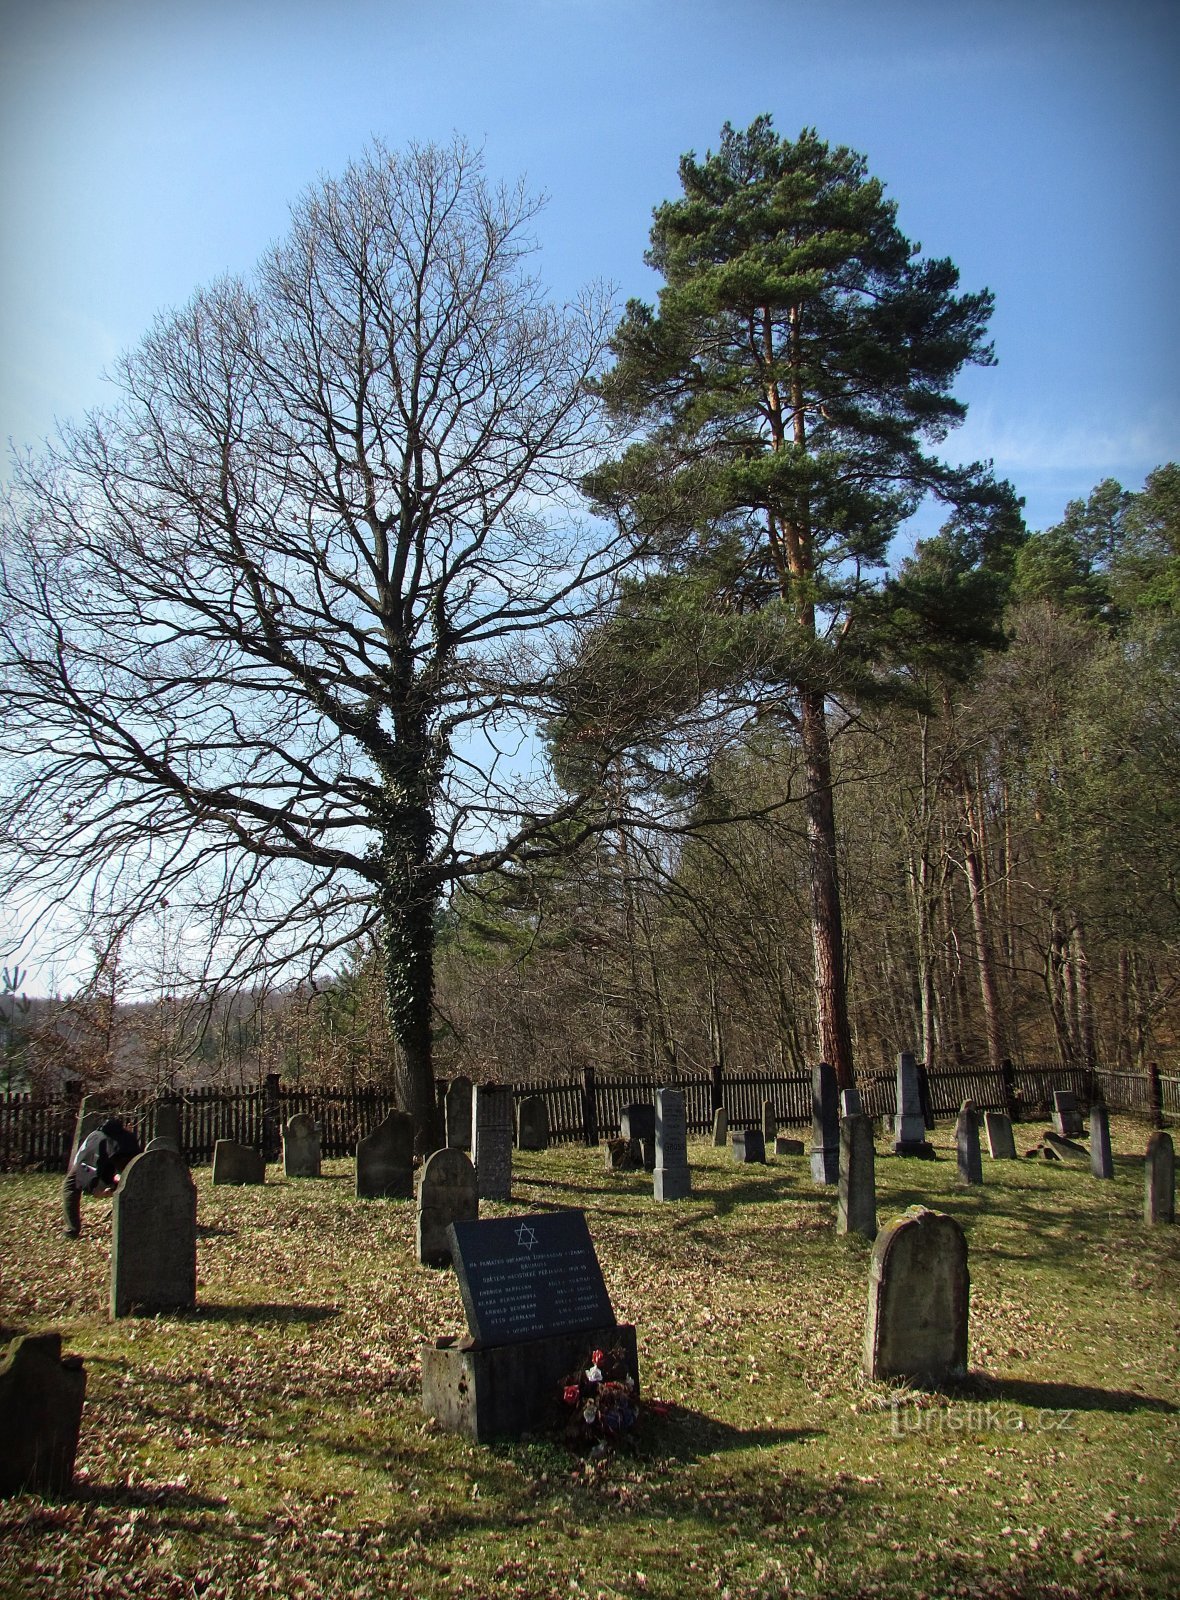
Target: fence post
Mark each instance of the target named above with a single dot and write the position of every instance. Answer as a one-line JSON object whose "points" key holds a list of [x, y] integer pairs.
{"points": [[272, 1137], [716, 1086], [589, 1107], [1008, 1075], [924, 1096], [1155, 1095]]}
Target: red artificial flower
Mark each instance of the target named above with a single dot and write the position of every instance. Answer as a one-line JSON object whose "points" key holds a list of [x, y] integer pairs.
{"points": [[571, 1394], [597, 1357]]}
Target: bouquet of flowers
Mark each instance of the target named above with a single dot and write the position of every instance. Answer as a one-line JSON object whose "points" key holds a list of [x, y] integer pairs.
{"points": [[600, 1399]]}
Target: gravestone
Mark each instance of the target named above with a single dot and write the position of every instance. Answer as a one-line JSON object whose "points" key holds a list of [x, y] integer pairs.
{"points": [[1055, 1148], [786, 1145], [825, 1125], [536, 1305], [1159, 1171], [850, 1102], [909, 1123], [237, 1163], [748, 1144], [919, 1289], [673, 1180], [769, 1126], [623, 1155], [493, 1127], [638, 1121], [967, 1144], [154, 1236], [301, 1147], [165, 1122], [41, 1397], [447, 1192], [856, 1211], [1067, 1119], [385, 1160], [720, 1128], [532, 1123], [160, 1144], [1001, 1145], [457, 1114], [93, 1111], [1101, 1160]]}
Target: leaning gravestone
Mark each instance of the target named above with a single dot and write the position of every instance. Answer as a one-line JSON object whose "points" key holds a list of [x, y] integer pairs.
{"points": [[638, 1121], [748, 1144], [1159, 1191], [967, 1154], [825, 1125], [385, 1160], [493, 1121], [856, 1211], [237, 1163], [447, 1192], [1067, 1119], [532, 1123], [154, 1236], [1001, 1145], [909, 1124], [919, 1289], [457, 1114], [1101, 1160], [673, 1180], [41, 1399], [301, 1147], [769, 1125], [536, 1306], [720, 1128]]}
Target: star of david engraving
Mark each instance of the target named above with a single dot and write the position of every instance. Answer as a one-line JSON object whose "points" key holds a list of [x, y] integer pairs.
{"points": [[526, 1237]]}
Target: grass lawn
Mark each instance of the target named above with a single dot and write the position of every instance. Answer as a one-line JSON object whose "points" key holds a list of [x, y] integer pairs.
{"points": [[272, 1441]]}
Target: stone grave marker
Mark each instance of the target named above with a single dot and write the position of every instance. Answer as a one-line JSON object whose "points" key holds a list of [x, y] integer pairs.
{"points": [[786, 1145], [967, 1144], [747, 1145], [673, 1180], [638, 1121], [1067, 1119], [1001, 1145], [769, 1126], [237, 1163], [1159, 1171], [623, 1155], [909, 1123], [457, 1114], [536, 1304], [1101, 1160], [447, 1192], [1058, 1149], [165, 1122], [493, 1127], [385, 1160], [154, 1236], [919, 1289], [856, 1211], [850, 1102], [301, 1147], [720, 1128], [825, 1125], [532, 1123], [41, 1397], [160, 1144]]}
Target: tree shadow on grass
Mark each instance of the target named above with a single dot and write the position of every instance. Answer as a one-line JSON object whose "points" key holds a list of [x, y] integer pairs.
{"points": [[1063, 1396], [274, 1314], [206, 1231], [687, 1435]]}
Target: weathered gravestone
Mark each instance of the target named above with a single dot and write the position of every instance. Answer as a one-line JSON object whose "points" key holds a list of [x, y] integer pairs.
{"points": [[673, 1180], [850, 1102], [748, 1144], [41, 1397], [457, 1113], [720, 1128], [536, 1305], [786, 1145], [154, 1236], [1055, 1148], [769, 1126], [164, 1123], [159, 1144], [919, 1289], [825, 1125], [385, 1160], [1067, 1119], [532, 1123], [301, 1147], [856, 1211], [1001, 1145], [909, 1123], [638, 1121], [237, 1163], [1159, 1189], [1101, 1160], [447, 1192], [492, 1130], [623, 1155], [970, 1164]]}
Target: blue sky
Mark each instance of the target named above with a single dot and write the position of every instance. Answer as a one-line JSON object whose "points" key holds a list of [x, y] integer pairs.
{"points": [[149, 146]]}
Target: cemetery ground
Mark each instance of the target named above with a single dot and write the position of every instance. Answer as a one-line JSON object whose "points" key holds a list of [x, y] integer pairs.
{"points": [[272, 1440]]}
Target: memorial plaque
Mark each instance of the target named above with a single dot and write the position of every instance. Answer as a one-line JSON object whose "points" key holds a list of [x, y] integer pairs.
{"points": [[529, 1277]]}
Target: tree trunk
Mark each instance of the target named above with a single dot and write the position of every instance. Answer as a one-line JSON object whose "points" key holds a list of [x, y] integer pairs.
{"points": [[974, 856], [827, 933], [408, 902]]}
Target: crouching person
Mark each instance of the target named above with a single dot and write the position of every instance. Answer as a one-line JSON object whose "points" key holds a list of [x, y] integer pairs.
{"points": [[95, 1169]]}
